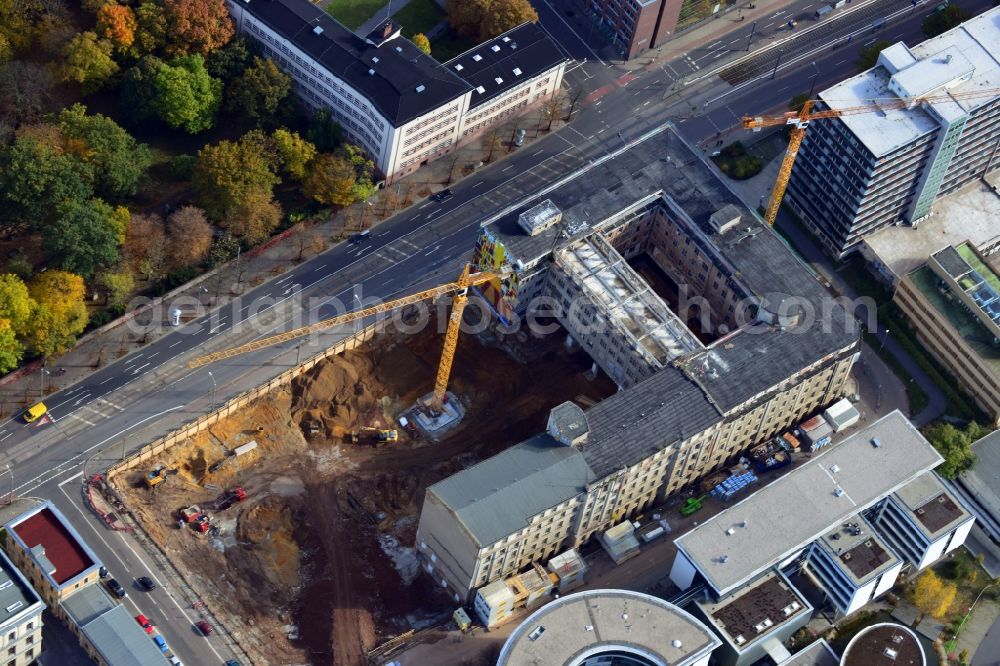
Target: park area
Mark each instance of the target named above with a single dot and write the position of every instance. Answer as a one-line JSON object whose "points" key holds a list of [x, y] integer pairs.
{"points": [[317, 564]]}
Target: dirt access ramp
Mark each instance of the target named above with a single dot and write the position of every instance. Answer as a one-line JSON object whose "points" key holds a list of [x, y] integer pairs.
{"points": [[317, 565]]}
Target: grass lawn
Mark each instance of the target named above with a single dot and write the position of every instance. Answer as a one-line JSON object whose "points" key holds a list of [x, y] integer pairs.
{"points": [[448, 44], [418, 16], [352, 13]]}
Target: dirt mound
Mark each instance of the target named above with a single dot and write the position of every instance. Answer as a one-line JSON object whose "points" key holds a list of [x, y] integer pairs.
{"points": [[267, 529], [335, 396]]}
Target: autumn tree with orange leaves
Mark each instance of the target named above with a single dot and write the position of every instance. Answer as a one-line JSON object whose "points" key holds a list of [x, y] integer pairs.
{"points": [[197, 26], [116, 23]]}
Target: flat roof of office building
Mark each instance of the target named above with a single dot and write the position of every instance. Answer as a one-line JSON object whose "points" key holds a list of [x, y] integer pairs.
{"points": [[110, 628], [961, 60], [970, 214], [861, 552], [16, 594], [758, 609], [611, 621], [406, 83], [748, 538], [504, 62], [983, 480], [933, 508], [45, 526], [885, 644]]}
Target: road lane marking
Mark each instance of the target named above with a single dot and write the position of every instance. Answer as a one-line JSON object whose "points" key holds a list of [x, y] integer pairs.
{"points": [[6, 436], [106, 381], [175, 344], [506, 168], [74, 415], [136, 371], [108, 402], [76, 475]]}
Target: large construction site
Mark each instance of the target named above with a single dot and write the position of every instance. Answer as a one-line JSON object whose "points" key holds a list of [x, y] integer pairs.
{"points": [[363, 500], [318, 558]]}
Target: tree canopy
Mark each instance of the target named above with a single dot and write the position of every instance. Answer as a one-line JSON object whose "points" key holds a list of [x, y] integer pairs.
{"points": [[87, 60], [293, 152], [116, 23], [485, 19], [84, 237], [932, 595], [323, 131], [944, 20], [60, 314], [118, 160], [150, 29], [186, 96], [421, 42], [197, 26], [868, 55], [190, 236], [230, 173], [330, 180], [257, 93], [955, 445]]}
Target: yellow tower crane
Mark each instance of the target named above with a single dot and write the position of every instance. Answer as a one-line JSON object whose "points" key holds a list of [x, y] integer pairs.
{"points": [[460, 289], [800, 120]]}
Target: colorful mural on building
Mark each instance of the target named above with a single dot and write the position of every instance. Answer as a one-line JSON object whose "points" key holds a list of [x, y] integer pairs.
{"points": [[491, 255]]}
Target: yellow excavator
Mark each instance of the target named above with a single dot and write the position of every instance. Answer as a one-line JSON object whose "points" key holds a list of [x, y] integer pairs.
{"points": [[460, 289]]}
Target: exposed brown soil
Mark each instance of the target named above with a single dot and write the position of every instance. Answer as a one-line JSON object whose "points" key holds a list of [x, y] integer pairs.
{"points": [[318, 565]]}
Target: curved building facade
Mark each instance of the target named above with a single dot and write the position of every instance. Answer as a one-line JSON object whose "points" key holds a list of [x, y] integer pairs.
{"points": [[607, 627]]}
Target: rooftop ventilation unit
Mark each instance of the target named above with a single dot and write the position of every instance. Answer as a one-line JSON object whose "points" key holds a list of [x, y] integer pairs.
{"points": [[517, 71], [371, 72], [480, 89], [318, 30], [740, 640], [498, 80], [421, 88], [477, 57], [458, 67], [495, 48], [838, 491], [890, 653], [730, 531], [375, 59], [724, 559], [506, 39], [835, 468], [399, 49], [14, 606], [876, 442]]}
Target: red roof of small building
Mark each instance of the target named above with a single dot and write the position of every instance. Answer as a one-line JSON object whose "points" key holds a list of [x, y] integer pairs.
{"points": [[62, 550]]}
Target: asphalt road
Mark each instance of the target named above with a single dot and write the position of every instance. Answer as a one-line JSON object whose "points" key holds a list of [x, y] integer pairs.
{"points": [[151, 391]]}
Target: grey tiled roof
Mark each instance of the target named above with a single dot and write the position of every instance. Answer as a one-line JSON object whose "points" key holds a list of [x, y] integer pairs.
{"points": [[497, 497], [634, 424], [398, 73]]}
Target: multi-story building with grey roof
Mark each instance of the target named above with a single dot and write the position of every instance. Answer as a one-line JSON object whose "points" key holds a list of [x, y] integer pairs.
{"points": [[862, 172], [390, 98], [735, 342], [20, 616]]}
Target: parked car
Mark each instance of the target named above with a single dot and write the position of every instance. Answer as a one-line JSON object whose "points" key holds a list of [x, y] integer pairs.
{"points": [[519, 137], [357, 239], [175, 661], [35, 412], [232, 662], [161, 643], [116, 588], [144, 623], [146, 583], [103, 572], [205, 627], [443, 195]]}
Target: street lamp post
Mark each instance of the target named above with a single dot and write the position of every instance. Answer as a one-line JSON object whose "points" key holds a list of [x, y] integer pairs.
{"points": [[777, 62], [884, 338], [961, 625], [753, 29], [214, 387]]}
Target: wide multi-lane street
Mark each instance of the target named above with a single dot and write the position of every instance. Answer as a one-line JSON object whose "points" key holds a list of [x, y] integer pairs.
{"points": [[151, 391]]}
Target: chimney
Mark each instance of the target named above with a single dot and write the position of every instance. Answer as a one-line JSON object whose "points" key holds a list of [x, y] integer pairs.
{"points": [[387, 30]]}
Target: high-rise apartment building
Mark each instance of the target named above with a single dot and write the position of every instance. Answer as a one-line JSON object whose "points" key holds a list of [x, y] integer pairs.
{"points": [[635, 26], [866, 171]]}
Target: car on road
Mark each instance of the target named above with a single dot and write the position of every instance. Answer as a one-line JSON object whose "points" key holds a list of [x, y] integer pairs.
{"points": [[116, 588], [144, 623], [205, 627], [357, 239], [443, 195], [161, 643], [35, 412], [175, 661], [145, 583], [231, 662], [102, 572]]}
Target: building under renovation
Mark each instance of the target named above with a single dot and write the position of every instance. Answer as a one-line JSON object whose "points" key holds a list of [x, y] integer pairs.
{"points": [[718, 336]]}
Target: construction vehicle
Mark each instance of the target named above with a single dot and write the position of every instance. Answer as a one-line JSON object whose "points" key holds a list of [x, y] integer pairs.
{"points": [[201, 523], [692, 505], [155, 477], [191, 513], [460, 290], [800, 120], [378, 436], [229, 498]]}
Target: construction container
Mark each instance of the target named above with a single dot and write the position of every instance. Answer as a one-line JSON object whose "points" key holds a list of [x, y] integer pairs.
{"points": [[841, 414], [816, 433], [569, 567], [531, 587], [791, 440], [462, 619], [494, 604], [620, 542], [725, 490], [245, 448]]}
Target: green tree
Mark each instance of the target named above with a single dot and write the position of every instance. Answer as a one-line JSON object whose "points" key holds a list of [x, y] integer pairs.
{"points": [[60, 314], [35, 178], [118, 160], [257, 93], [868, 55], [87, 61], [138, 88], [323, 131], [197, 26], [503, 15], [932, 596], [293, 151], [330, 180], [230, 61], [944, 20], [11, 349], [421, 42], [797, 102], [150, 29], [119, 285], [364, 171], [229, 173], [16, 305], [254, 218], [186, 96], [955, 445], [83, 237]]}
